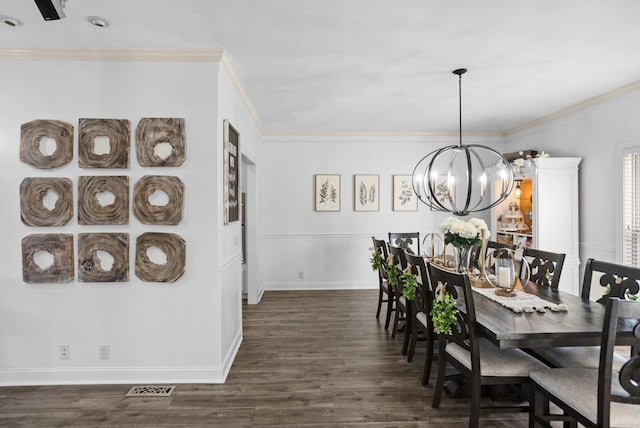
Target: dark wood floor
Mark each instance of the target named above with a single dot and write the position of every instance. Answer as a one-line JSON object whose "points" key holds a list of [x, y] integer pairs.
{"points": [[308, 359]]}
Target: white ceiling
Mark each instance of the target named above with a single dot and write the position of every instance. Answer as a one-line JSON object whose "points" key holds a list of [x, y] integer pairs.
{"points": [[374, 65]]}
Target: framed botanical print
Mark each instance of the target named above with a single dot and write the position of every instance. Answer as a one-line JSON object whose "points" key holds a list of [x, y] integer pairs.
{"points": [[327, 192], [231, 173], [443, 190], [404, 198], [366, 192]]}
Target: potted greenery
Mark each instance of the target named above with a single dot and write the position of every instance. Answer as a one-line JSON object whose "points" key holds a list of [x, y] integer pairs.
{"points": [[376, 259], [393, 271], [409, 283], [444, 312]]}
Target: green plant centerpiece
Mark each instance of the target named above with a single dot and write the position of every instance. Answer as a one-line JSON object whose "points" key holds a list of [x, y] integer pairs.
{"points": [[463, 235], [444, 312], [376, 259], [409, 283]]}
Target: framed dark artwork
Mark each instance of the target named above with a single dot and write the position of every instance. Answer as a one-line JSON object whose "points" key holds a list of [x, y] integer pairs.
{"points": [[231, 173], [327, 192]]}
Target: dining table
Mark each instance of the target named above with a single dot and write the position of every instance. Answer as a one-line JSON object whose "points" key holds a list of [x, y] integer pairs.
{"points": [[578, 324]]}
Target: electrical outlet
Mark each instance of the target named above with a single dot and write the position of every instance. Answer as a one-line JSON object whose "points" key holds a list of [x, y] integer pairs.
{"points": [[65, 352], [300, 275], [103, 352]]}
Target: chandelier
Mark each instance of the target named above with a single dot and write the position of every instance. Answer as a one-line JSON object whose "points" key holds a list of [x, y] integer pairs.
{"points": [[455, 178]]}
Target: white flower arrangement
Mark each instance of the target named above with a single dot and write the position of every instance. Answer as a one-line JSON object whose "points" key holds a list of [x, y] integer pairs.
{"points": [[464, 233]]}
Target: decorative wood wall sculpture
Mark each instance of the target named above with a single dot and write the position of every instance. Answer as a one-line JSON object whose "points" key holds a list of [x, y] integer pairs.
{"points": [[90, 208], [152, 132], [90, 268], [31, 134], [59, 247], [116, 130], [148, 213], [33, 210], [174, 248]]}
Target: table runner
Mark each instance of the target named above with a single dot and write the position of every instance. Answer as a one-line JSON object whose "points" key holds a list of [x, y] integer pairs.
{"points": [[522, 302]]}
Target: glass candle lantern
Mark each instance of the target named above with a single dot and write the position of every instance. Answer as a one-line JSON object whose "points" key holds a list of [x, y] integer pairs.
{"points": [[505, 270], [433, 246]]}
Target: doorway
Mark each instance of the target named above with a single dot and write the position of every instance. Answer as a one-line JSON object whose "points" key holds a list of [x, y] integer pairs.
{"points": [[250, 284]]}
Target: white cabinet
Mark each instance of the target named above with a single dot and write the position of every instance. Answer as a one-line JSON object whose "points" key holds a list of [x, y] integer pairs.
{"points": [[550, 212]]}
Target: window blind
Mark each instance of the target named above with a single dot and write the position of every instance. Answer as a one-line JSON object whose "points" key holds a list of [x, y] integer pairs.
{"points": [[631, 210]]}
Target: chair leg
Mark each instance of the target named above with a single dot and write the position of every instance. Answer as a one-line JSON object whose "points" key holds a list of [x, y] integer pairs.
{"points": [[474, 411], [407, 330], [396, 321], [428, 360], [536, 407], [412, 340], [390, 299], [379, 302], [442, 372]]}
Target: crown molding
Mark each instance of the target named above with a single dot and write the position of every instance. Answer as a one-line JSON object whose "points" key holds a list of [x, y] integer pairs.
{"points": [[243, 94], [171, 55], [284, 133], [634, 86]]}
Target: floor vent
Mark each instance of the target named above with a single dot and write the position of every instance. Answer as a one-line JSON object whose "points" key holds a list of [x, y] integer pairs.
{"points": [[151, 391]]}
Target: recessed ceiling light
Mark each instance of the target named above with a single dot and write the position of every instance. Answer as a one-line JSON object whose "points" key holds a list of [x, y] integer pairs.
{"points": [[10, 21], [97, 21]]}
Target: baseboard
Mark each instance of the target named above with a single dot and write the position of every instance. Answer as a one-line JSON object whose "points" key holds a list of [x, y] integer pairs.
{"points": [[122, 375], [282, 286], [231, 355]]}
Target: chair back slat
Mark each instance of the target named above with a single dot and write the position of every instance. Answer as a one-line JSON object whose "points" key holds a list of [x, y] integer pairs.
{"points": [[491, 246], [617, 280], [546, 266], [399, 255], [423, 296], [464, 331], [408, 241], [399, 259]]}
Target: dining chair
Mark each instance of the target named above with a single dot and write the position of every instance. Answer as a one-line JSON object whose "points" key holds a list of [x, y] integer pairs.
{"points": [[616, 280], [403, 306], [546, 266], [479, 361], [593, 397], [622, 281], [385, 292], [495, 245], [408, 241], [422, 322]]}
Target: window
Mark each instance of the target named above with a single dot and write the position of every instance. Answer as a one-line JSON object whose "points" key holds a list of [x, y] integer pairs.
{"points": [[631, 210]]}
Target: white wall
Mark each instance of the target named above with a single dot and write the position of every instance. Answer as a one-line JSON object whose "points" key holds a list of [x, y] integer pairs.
{"points": [[157, 332], [596, 134], [233, 108], [305, 249]]}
